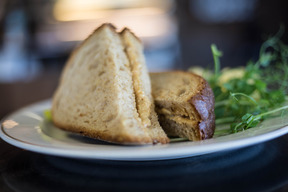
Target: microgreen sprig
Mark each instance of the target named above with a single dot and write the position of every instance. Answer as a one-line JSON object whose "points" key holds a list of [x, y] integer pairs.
{"points": [[216, 57], [245, 101]]}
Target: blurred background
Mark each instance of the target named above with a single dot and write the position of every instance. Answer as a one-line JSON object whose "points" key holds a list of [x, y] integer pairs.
{"points": [[37, 36]]}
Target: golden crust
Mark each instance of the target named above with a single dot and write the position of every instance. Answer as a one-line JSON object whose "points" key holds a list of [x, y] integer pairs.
{"points": [[129, 31], [203, 104]]}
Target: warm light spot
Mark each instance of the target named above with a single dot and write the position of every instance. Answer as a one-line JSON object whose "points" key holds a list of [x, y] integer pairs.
{"points": [[67, 10], [150, 20], [142, 26], [67, 15], [8, 124], [98, 4]]}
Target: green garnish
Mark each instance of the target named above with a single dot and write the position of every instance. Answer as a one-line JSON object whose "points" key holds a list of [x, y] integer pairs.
{"points": [[248, 95], [216, 55], [47, 115]]}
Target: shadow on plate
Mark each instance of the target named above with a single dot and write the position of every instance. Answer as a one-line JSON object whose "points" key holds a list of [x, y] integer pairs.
{"points": [[61, 135]]}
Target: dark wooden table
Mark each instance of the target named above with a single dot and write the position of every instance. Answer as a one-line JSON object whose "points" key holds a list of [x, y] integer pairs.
{"points": [[261, 167]]}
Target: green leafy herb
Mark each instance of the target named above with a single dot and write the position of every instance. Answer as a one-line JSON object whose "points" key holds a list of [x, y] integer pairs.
{"points": [[216, 55], [246, 96]]}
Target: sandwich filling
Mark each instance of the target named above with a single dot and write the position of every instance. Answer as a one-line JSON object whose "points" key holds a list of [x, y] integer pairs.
{"points": [[142, 87], [179, 120], [141, 80]]}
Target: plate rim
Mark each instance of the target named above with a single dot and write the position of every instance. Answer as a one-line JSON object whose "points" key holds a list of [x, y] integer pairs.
{"points": [[160, 155]]}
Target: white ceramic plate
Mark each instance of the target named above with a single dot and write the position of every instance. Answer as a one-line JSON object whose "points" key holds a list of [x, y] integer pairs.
{"points": [[27, 129]]}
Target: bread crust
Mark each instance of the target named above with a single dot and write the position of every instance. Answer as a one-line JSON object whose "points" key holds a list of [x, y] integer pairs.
{"points": [[106, 137], [129, 31], [203, 103]]}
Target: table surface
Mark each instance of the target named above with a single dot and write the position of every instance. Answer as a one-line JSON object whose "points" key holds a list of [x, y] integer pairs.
{"points": [[261, 167]]}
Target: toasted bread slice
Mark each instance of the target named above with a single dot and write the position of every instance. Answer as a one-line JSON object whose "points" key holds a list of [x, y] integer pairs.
{"points": [[95, 96], [184, 103], [142, 87]]}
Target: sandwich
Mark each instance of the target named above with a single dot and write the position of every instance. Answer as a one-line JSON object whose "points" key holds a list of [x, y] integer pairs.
{"points": [[185, 104], [105, 91]]}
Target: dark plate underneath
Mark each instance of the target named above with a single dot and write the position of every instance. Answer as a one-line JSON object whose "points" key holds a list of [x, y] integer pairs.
{"points": [[261, 167]]}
